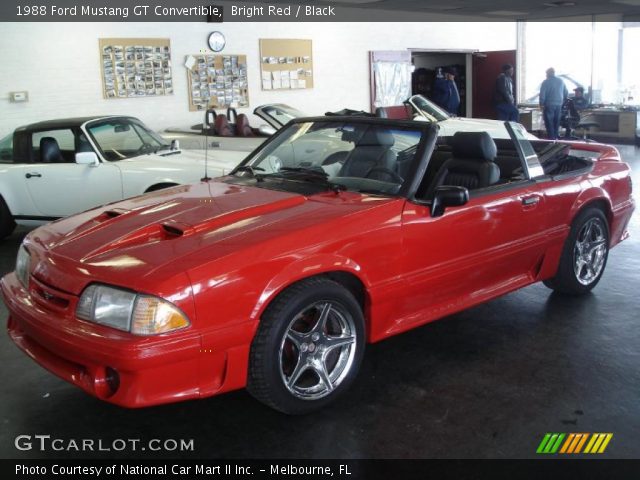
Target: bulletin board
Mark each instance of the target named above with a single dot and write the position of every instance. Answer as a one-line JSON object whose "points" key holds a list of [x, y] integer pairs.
{"points": [[135, 67], [217, 81], [286, 64]]}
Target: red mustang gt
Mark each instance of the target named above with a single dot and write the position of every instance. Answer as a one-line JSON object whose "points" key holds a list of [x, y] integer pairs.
{"points": [[336, 232]]}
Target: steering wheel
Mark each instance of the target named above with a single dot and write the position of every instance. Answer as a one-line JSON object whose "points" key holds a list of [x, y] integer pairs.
{"points": [[397, 178]]}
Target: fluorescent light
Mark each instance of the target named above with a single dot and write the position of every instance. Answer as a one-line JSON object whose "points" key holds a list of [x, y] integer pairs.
{"points": [[634, 3], [443, 7], [507, 13]]}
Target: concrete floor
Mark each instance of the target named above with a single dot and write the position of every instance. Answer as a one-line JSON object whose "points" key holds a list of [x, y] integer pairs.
{"points": [[486, 383]]}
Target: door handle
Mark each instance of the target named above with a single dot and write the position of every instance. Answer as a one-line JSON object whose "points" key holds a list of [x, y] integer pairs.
{"points": [[36, 174], [532, 200]]}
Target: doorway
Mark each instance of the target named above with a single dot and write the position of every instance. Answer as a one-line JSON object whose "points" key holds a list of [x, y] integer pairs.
{"points": [[429, 70]]}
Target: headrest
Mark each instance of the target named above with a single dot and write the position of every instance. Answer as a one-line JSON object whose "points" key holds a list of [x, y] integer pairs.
{"points": [[243, 129], [50, 150], [474, 145], [221, 126], [398, 112], [376, 137]]}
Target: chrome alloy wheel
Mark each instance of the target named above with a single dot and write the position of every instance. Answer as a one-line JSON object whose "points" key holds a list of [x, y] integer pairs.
{"points": [[317, 350], [590, 251]]}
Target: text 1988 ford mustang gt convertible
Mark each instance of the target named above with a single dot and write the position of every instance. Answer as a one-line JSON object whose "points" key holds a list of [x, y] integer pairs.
{"points": [[336, 232]]}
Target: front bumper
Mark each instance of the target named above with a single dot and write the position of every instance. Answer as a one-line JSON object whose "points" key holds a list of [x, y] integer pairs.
{"points": [[114, 366]]}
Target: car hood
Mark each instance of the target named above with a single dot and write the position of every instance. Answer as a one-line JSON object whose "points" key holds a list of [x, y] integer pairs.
{"points": [[174, 229], [218, 163], [495, 128]]}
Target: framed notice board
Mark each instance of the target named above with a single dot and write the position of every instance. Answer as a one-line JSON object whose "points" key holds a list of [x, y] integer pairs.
{"points": [[286, 64], [217, 81], [135, 67]]}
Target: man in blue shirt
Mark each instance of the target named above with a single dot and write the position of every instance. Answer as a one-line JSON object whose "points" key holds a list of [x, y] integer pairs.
{"points": [[553, 94], [445, 92]]}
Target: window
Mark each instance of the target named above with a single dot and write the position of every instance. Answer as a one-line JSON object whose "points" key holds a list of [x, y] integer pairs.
{"points": [[601, 57], [123, 138], [358, 156], [53, 146], [6, 149]]}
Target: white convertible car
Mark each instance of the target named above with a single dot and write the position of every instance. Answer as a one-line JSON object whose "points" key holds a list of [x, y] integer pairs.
{"points": [[56, 168]]}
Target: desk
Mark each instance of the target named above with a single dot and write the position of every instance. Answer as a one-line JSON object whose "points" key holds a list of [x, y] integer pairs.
{"points": [[614, 124]]}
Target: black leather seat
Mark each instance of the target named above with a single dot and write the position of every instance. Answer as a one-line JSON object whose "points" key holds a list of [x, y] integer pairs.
{"points": [[50, 151], [372, 151], [472, 163]]}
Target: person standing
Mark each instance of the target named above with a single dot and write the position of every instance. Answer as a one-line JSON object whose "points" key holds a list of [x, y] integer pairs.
{"points": [[503, 97], [553, 94], [445, 91]]}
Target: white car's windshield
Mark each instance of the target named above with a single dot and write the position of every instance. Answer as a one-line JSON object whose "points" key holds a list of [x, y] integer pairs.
{"points": [[281, 113], [120, 138], [356, 156], [428, 109]]}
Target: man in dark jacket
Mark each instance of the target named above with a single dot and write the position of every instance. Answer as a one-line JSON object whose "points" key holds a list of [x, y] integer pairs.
{"points": [[503, 97], [553, 94]]}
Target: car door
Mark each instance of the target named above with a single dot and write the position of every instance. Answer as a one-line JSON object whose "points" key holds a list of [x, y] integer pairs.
{"points": [[58, 186], [493, 244]]}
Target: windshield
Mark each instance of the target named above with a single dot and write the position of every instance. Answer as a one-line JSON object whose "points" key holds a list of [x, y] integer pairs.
{"points": [[348, 155], [121, 138], [428, 109], [281, 113]]}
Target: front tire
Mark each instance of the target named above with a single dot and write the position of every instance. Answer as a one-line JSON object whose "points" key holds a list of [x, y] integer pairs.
{"points": [[308, 348], [584, 256]]}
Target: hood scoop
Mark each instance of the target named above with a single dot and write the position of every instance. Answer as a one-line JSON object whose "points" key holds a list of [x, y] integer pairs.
{"points": [[175, 228]]}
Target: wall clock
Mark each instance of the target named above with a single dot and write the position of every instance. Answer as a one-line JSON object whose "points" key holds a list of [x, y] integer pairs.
{"points": [[216, 41]]}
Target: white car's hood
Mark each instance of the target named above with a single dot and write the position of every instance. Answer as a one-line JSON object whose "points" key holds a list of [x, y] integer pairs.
{"points": [[495, 128], [219, 163]]}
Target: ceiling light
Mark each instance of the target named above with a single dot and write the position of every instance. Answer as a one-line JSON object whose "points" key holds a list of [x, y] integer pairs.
{"points": [[633, 3], [443, 8], [507, 13], [560, 3]]}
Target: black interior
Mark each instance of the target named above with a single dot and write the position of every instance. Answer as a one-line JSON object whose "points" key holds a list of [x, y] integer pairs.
{"points": [[555, 159]]}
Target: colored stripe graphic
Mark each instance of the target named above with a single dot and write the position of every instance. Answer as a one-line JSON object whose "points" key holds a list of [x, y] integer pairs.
{"points": [[551, 443]]}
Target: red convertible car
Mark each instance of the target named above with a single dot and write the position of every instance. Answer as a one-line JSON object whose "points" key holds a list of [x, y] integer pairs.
{"points": [[336, 232]]}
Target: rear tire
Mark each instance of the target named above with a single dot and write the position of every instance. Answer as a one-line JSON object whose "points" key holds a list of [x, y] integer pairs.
{"points": [[7, 224], [308, 347], [584, 256]]}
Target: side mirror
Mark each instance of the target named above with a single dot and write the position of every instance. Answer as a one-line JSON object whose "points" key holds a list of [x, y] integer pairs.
{"points": [[87, 158], [448, 196], [266, 130], [175, 145]]}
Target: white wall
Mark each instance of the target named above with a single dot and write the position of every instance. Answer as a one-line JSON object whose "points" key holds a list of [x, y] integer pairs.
{"points": [[59, 64]]}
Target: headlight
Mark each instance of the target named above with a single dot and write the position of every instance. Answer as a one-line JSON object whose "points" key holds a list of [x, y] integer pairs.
{"points": [[22, 266], [129, 311]]}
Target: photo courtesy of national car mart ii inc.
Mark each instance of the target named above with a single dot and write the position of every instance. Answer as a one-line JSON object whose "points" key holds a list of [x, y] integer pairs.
{"points": [[175, 469]]}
